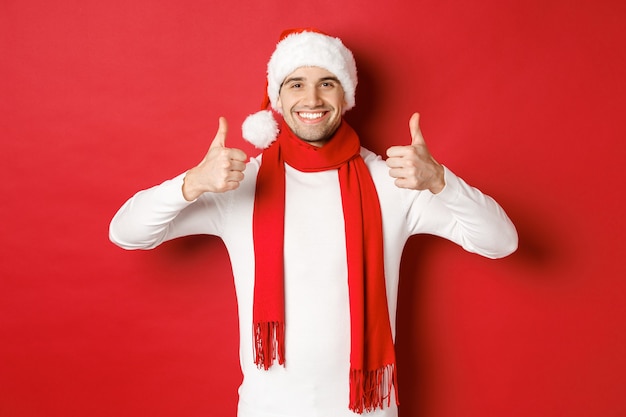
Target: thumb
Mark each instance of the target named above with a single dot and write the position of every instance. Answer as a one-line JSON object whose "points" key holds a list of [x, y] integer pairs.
{"points": [[220, 137], [416, 132]]}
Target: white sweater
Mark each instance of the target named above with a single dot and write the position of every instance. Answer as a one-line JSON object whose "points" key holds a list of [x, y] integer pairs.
{"points": [[314, 380]]}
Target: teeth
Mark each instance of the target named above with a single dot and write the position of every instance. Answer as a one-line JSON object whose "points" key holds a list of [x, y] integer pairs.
{"points": [[311, 116]]}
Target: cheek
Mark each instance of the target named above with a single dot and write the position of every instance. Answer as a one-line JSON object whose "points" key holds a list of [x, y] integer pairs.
{"points": [[338, 101], [340, 107]]}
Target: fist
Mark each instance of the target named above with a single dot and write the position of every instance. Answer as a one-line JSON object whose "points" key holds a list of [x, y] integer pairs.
{"points": [[220, 170]]}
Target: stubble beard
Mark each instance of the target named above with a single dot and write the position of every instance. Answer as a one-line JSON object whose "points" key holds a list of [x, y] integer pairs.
{"points": [[315, 135]]}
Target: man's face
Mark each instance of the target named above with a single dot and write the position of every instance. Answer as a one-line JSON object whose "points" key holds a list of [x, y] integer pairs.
{"points": [[312, 102]]}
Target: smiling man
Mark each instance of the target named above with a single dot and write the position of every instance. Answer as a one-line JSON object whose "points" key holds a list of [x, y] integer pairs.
{"points": [[315, 227], [312, 102]]}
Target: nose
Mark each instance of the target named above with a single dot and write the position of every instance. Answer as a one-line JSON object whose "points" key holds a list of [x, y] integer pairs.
{"points": [[312, 97]]}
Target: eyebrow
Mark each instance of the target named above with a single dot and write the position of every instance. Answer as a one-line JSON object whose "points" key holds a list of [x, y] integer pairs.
{"points": [[301, 79]]}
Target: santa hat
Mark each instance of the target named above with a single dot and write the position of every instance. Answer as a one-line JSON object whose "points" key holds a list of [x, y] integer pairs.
{"points": [[299, 48]]}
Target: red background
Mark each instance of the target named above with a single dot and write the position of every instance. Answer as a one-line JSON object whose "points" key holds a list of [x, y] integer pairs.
{"points": [[102, 98]]}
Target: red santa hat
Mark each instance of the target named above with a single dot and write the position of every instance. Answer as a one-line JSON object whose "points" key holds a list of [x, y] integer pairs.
{"points": [[299, 48]]}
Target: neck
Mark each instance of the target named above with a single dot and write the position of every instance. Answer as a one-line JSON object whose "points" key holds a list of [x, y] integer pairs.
{"points": [[340, 147], [317, 143]]}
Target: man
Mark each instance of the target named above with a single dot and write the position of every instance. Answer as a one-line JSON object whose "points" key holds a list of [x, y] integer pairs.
{"points": [[315, 227]]}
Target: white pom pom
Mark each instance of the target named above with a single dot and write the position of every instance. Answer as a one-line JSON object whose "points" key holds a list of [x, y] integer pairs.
{"points": [[260, 129]]}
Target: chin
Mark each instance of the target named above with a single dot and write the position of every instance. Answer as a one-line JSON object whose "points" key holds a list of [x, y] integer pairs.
{"points": [[318, 135]]}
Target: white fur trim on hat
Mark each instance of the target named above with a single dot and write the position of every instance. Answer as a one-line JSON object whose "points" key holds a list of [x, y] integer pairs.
{"points": [[301, 49]]}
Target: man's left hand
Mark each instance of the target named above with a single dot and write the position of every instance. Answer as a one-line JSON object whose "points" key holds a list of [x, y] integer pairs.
{"points": [[413, 166]]}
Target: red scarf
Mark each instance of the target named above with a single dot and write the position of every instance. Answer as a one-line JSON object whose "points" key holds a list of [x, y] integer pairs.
{"points": [[372, 356]]}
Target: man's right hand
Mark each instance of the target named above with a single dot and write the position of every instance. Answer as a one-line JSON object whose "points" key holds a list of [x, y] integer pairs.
{"points": [[221, 169]]}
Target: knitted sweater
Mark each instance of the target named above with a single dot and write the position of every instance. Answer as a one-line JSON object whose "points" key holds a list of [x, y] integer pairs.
{"points": [[314, 380]]}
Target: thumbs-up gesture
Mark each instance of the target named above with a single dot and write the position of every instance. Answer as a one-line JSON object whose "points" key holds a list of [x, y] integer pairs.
{"points": [[413, 166], [221, 169]]}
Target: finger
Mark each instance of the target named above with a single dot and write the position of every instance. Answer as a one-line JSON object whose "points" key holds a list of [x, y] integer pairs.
{"points": [[395, 162], [237, 166], [237, 155], [232, 181], [416, 132], [397, 172], [399, 151], [220, 136]]}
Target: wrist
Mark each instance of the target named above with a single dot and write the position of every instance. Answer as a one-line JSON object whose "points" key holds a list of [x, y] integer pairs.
{"points": [[439, 182], [190, 193]]}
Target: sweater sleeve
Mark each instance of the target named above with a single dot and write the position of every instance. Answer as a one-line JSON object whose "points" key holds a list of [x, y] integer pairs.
{"points": [[161, 213], [466, 216]]}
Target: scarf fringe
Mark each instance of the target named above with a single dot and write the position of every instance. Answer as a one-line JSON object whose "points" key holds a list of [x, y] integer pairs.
{"points": [[370, 389], [269, 343]]}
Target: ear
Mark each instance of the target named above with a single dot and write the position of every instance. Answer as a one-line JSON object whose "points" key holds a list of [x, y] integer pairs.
{"points": [[344, 108], [279, 105]]}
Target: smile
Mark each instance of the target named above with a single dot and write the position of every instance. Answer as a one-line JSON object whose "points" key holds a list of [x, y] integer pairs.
{"points": [[311, 116]]}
